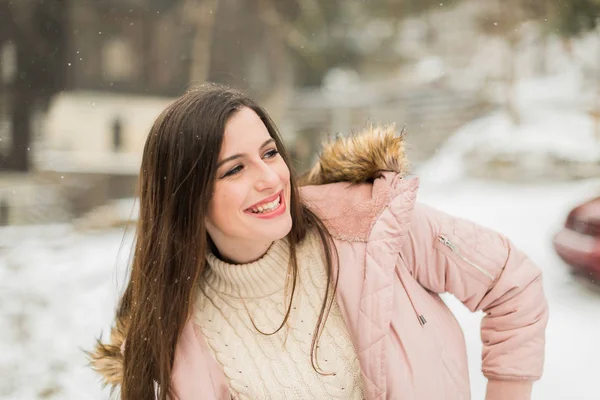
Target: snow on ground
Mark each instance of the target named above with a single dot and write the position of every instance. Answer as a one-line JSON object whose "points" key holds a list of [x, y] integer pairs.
{"points": [[58, 288]]}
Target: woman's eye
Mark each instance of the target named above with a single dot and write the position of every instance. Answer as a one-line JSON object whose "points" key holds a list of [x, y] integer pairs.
{"points": [[233, 171], [271, 153]]}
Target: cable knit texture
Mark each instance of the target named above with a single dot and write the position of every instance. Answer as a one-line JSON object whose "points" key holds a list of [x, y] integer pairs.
{"points": [[276, 366]]}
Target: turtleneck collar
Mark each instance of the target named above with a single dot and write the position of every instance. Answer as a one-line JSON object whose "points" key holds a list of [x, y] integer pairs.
{"points": [[260, 278]]}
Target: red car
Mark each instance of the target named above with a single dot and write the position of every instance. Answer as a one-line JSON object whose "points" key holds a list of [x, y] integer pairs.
{"points": [[578, 243]]}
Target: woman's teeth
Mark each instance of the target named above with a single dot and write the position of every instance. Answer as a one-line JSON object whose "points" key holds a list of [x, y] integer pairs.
{"points": [[267, 207]]}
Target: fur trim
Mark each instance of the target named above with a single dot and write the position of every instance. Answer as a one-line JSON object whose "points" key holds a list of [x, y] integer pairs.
{"points": [[107, 359], [360, 158]]}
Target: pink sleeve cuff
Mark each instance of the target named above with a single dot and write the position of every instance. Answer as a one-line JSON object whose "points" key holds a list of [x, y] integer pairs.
{"points": [[509, 389]]}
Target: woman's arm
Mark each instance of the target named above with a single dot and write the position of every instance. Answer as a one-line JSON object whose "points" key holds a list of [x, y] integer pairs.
{"points": [[486, 272]]}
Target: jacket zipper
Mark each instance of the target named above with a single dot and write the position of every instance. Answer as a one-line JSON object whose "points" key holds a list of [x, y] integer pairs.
{"points": [[420, 316], [446, 242]]}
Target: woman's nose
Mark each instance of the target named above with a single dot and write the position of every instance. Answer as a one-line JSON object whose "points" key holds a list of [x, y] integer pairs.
{"points": [[267, 178]]}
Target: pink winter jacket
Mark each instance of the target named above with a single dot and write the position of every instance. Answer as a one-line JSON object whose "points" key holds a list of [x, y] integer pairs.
{"points": [[395, 257]]}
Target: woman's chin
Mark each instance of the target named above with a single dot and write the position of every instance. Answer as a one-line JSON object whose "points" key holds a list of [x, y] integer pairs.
{"points": [[275, 231]]}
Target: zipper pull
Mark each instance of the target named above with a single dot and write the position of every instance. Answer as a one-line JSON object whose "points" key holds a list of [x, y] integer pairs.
{"points": [[446, 242]]}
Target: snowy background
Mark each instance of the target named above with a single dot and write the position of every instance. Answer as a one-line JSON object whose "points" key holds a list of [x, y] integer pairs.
{"points": [[59, 286]]}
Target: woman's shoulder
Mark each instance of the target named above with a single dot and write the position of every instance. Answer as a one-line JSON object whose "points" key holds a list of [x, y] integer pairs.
{"points": [[356, 178], [351, 210]]}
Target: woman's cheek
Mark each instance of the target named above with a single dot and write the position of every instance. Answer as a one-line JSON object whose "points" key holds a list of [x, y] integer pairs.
{"points": [[284, 171], [235, 197]]}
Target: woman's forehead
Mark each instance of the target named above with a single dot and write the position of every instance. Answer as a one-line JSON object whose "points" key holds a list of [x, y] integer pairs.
{"points": [[244, 130]]}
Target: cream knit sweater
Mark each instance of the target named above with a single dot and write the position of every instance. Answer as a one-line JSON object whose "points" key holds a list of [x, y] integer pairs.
{"points": [[277, 366]]}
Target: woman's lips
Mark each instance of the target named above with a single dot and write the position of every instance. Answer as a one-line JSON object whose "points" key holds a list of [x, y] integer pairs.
{"points": [[267, 200], [271, 214]]}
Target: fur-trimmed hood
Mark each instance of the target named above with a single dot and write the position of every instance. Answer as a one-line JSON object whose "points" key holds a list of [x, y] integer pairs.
{"points": [[361, 157]]}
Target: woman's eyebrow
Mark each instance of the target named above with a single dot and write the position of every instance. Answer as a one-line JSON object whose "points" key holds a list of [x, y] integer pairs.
{"points": [[236, 156]]}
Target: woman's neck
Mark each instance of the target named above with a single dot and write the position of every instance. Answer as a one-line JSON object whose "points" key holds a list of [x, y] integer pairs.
{"points": [[241, 252]]}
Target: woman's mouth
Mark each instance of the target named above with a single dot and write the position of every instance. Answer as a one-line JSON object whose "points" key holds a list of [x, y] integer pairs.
{"points": [[271, 209]]}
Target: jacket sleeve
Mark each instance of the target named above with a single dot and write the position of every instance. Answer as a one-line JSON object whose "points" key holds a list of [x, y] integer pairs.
{"points": [[485, 271]]}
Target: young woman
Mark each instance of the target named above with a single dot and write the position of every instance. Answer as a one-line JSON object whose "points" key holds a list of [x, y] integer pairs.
{"points": [[246, 286]]}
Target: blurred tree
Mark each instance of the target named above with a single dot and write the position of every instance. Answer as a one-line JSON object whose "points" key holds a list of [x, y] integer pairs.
{"points": [[574, 18], [540, 11], [249, 53], [566, 19], [200, 15], [295, 41], [269, 44], [406, 8], [571, 18], [36, 29], [505, 19], [321, 34]]}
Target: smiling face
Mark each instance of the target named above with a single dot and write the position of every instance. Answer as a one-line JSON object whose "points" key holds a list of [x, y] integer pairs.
{"points": [[250, 206]]}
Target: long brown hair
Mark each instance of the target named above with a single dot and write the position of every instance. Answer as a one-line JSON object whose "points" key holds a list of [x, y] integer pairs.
{"points": [[176, 180]]}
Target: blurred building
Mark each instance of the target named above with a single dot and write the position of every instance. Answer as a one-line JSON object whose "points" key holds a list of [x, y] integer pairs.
{"points": [[81, 82]]}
